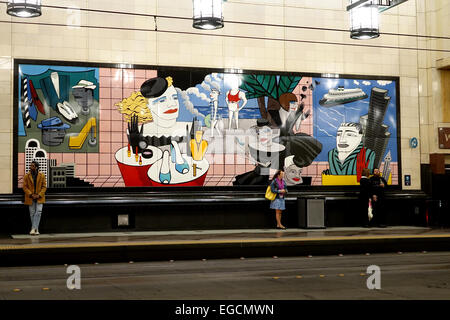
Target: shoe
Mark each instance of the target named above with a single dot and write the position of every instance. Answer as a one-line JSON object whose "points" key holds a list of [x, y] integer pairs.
{"points": [[182, 168], [66, 111], [165, 177], [36, 232], [33, 232], [366, 226], [281, 228], [382, 226]]}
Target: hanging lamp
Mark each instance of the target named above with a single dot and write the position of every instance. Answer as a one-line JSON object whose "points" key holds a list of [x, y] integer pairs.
{"points": [[207, 14], [24, 8], [364, 21], [364, 17]]}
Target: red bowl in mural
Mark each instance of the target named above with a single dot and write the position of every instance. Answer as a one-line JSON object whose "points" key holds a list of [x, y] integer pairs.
{"points": [[178, 179], [133, 173]]}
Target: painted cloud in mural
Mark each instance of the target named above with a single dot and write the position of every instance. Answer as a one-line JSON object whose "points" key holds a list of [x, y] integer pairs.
{"points": [[383, 82]]}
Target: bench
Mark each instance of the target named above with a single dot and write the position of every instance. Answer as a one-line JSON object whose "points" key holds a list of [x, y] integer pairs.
{"points": [[195, 209]]}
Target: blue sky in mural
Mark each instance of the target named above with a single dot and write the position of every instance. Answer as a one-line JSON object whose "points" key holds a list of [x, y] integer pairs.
{"points": [[199, 97], [328, 119]]}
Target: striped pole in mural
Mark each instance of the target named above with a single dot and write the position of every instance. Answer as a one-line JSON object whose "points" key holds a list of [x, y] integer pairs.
{"points": [[25, 104]]}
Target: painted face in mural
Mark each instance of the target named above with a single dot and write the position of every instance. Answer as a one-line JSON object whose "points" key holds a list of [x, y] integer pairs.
{"points": [[347, 139], [293, 173], [214, 95], [293, 106], [265, 136], [165, 108]]}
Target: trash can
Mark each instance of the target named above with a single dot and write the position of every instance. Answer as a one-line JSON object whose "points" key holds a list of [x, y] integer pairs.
{"points": [[311, 213]]}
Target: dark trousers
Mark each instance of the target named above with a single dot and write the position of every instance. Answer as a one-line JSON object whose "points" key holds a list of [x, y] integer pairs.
{"points": [[379, 212]]}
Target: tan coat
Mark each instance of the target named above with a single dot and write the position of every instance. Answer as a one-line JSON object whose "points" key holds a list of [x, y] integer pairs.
{"points": [[28, 188]]}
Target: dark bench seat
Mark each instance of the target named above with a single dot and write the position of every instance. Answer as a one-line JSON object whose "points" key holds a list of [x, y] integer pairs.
{"points": [[195, 209]]}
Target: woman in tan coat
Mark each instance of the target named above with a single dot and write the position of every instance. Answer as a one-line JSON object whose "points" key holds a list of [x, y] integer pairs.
{"points": [[34, 186]]}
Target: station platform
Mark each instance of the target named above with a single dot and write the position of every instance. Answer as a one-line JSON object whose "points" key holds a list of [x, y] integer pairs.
{"points": [[78, 248]]}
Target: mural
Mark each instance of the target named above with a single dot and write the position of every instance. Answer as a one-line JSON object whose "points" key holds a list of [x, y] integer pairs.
{"points": [[108, 127], [356, 122]]}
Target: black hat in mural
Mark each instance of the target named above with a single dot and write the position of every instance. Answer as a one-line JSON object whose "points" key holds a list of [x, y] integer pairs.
{"points": [[304, 148], [261, 122], [154, 87]]}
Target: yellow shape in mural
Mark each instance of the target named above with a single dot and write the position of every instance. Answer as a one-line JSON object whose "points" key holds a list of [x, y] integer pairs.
{"points": [[198, 146], [76, 142], [344, 180], [136, 104]]}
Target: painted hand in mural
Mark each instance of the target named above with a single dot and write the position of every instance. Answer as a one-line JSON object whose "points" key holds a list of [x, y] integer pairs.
{"points": [[134, 134]]}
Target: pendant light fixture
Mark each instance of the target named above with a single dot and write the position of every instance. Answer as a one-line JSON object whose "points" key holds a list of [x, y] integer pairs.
{"points": [[364, 17], [207, 14], [364, 21], [24, 8]]}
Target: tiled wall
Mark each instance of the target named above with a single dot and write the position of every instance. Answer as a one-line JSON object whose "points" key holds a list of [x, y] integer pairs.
{"points": [[432, 18], [416, 69]]}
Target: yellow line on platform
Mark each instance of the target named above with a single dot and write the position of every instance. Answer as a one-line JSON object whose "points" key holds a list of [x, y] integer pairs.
{"points": [[205, 242]]}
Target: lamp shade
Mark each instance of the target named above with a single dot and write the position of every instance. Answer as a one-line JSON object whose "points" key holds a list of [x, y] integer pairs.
{"points": [[24, 8], [364, 21], [207, 14]]}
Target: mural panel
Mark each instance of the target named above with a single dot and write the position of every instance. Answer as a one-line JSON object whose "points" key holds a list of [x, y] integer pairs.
{"points": [[108, 127]]}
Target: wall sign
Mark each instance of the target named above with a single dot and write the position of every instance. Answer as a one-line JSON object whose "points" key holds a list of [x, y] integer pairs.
{"points": [[444, 138], [407, 180]]}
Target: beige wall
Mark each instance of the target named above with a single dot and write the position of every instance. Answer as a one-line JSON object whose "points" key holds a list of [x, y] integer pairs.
{"points": [[433, 19], [414, 68]]}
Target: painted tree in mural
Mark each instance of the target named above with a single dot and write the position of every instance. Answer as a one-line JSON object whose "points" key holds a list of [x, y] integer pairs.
{"points": [[261, 86]]}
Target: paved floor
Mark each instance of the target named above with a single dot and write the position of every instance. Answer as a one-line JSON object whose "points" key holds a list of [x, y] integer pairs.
{"points": [[416, 275], [214, 235], [47, 249]]}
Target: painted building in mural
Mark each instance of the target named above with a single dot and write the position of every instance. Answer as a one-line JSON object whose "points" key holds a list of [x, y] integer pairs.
{"points": [[107, 127]]}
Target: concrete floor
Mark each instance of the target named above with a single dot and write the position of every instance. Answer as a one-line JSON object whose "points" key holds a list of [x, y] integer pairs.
{"points": [[54, 249], [419, 275], [233, 234]]}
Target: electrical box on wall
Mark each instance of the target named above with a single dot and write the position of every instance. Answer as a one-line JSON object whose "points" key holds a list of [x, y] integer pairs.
{"points": [[123, 220]]}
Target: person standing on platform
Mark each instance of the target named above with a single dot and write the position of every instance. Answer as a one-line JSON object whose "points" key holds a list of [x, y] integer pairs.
{"points": [[364, 197], [378, 184], [278, 186], [34, 186]]}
